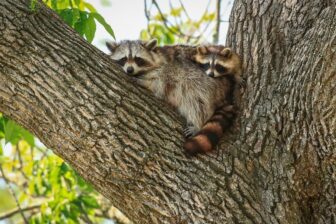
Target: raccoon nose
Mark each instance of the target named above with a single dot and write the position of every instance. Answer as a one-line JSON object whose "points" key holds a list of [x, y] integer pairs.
{"points": [[130, 70], [211, 74]]}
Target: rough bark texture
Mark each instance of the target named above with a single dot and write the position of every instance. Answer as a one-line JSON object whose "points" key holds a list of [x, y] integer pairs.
{"points": [[277, 166]]}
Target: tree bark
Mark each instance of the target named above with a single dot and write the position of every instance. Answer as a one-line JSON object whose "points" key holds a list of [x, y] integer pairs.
{"points": [[277, 165]]}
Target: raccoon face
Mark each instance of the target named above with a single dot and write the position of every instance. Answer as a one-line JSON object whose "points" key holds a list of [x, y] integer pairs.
{"points": [[216, 61], [135, 57]]}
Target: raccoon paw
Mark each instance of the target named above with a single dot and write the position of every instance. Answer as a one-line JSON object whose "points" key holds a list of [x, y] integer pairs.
{"points": [[189, 131]]}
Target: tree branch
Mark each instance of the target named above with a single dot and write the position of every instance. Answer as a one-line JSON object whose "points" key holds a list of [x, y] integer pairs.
{"points": [[11, 190], [13, 212], [146, 11], [275, 168], [218, 22]]}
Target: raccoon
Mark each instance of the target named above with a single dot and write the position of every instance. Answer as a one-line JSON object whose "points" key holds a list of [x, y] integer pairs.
{"points": [[218, 61], [179, 82], [135, 57]]}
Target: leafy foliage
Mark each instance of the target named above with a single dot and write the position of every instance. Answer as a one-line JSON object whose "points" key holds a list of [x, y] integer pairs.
{"points": [[41, 178], [80, 15], [176, 26]]}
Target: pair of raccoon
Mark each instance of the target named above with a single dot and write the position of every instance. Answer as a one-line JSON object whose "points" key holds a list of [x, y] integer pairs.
{"points": [[198, 81]]}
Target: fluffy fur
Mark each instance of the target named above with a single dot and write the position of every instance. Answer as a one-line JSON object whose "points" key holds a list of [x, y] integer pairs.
{"points": [[218, 62], [169, 74]]}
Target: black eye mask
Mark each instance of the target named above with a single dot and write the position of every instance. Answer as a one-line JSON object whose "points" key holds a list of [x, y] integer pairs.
{"points": [[122, 61], [140, 61], [220, 69], [205, 66]]}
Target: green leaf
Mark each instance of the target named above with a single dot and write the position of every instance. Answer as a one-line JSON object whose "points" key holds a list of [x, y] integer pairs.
{"points": [[77, 2], [2, 127], [63, 4], [67, 15], [28, 137], [90, 28], [89, 7], [89, 201], [208, 17], [54, 4], [75, 212], [176, 12], [70, 16], [64, 168], [12, 132], [81, 23], [23, 197], [144, 35], [102, 21]]}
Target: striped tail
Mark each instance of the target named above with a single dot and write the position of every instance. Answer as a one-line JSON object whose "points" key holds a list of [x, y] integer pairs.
{"points": [[210, 134]]}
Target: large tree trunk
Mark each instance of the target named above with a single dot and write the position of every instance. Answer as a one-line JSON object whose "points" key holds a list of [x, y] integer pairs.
{"points": [[276, 166]]}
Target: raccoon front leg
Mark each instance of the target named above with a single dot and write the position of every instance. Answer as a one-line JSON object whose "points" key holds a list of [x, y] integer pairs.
{"points": [[143, 82], [193, 124], [152, 84], [196, 115]]}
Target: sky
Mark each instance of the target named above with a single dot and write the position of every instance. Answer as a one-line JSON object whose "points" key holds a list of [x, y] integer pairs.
{"points": [[127, 17]]}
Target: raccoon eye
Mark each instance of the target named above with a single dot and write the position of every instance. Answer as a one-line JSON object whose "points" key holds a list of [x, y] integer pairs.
{"points": [[122, 61], [220, 68], [205, 66], [140, 62]]}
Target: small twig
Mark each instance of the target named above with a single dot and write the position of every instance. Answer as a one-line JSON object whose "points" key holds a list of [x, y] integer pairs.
{"points": [[204, 13], [19, 155], [197, 38], [148, 19], [85, 218], [31, 152], [172, 8], [164, 19], [146, 10], [184, 9], [9, 214], [20, 161], [167, 24], [206, 9], [13, 194], [217, 27]]}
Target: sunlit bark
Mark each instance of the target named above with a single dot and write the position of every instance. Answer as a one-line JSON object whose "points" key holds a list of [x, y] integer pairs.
{"points": [[277, 165]]}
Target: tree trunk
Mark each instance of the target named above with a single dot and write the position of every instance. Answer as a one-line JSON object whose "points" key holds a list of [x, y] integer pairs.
{"points": [[278, 165]]}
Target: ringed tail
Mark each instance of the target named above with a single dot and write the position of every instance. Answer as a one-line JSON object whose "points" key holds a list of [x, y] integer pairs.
{"points": [[208, 137]]}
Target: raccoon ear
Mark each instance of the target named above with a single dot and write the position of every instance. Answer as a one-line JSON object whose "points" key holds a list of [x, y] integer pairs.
{"points": [[226, 52], [111, 46], [202, 49], [151, 45]]}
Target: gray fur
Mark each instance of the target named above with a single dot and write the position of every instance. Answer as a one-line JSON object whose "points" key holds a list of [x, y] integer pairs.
{"points": [[178, 81]]}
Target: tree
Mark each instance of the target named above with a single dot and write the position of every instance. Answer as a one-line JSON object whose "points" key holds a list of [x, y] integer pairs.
{"points": [[278, 164], [35, 185], [41, 188]]}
